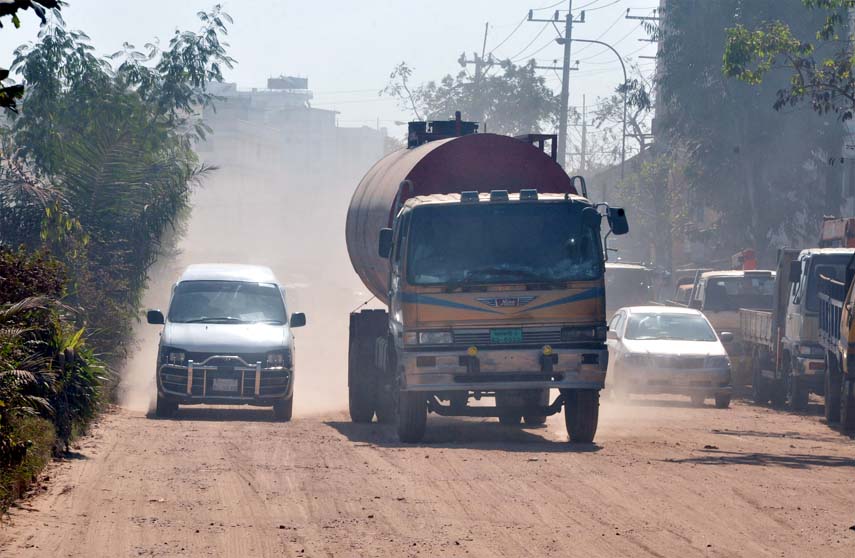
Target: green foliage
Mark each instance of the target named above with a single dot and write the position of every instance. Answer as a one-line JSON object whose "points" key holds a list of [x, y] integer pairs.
{"points": [[515, 100]]}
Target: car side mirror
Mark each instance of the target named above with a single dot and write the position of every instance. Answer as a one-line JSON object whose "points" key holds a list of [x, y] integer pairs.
{"points": [[612, 334], [795, 271], [726, 337], [385, 245], [155, 317], [617, 221], [298, 319]]}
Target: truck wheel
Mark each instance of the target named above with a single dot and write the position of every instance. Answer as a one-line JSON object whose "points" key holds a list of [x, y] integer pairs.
{"points": [[722, 400], [387, 387], [165, 408], [283, 408], [698, 400], [510, 419], [760, 391], [797, 393], [542, 400], [581, 414], [833, 390], [778, 394], [360, 397], [412, 416], [847, 406]]}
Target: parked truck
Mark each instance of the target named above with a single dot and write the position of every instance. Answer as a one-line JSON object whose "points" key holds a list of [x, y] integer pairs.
{"points": [[837, 338], [787, 360], [490, 264]]}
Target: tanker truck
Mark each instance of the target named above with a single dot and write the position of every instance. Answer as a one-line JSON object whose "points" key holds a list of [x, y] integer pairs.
{"points": [[490, 265]]}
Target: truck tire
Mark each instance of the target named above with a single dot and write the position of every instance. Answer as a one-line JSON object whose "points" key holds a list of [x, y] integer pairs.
{"points": [[847, 406], [722, 400], [798, 393], [360, 397], [283, 408], [541, 400], [411, 416], [386, 387], [581, 414], [362, 373], [165, 407], [833, 390], [760, 389]]}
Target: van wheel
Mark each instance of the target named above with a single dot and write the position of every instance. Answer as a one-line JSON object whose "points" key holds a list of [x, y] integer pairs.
{"points": [[847, 406], [165, 408], [581, 414], [722, 401], [833, 390], [283, 409], [412, 416]]}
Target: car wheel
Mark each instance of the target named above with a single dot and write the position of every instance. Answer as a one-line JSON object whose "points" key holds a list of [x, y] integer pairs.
{"points": [[283, 408], [165, 407]]}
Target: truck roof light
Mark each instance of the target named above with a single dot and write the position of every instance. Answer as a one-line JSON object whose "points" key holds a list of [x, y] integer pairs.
{"points": [[528, 194], [469, 196], [499, 195]]}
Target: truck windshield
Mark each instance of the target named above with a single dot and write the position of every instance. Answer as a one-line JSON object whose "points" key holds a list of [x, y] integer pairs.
{"points": [[677, 327], [628, 286], [832, 266], [729, 294], [489, 243], [226, 302]]}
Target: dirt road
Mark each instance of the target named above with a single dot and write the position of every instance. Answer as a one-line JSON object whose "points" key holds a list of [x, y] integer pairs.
{"points": [[664, 479]]}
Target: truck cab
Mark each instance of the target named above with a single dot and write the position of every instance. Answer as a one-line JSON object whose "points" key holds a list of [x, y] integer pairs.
{"points": [[628, 284]]}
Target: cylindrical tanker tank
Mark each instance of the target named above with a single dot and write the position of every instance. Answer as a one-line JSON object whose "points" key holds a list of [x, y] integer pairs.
{"points": [[481, 162]]}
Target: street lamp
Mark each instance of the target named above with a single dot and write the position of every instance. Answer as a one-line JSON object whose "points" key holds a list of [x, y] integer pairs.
{"points": [[625, 83]]}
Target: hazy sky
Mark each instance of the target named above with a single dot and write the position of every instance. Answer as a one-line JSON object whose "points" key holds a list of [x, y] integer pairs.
{"points": [[348, 48]]}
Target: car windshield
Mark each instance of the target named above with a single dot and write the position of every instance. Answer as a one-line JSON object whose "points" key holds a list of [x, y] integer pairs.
{"points": [[832, 266], [724, 294], [676, 327], [628, 286], [226, 302], [490, 243]]}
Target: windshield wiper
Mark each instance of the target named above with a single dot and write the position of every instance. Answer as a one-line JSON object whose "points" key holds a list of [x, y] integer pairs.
{"points": [[221, 319]]}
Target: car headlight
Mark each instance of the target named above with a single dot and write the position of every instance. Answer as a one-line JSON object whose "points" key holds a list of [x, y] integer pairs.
{"points": [[278, 359], [435, 338], [175, 357], [717, 362]]}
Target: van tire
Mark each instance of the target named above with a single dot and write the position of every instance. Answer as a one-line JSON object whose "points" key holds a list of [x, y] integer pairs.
{"points": [[283, 409], [411, 416], [581, 414]]}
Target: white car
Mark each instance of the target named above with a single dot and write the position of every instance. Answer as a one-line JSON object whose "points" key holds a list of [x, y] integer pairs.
{"points": [[226, 340], [668, 350]]}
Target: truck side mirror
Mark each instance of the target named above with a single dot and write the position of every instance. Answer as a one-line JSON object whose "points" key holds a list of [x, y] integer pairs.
{"points": [[795, 271], [298, 319], [617, 221], [385, 247], [154, 317]]}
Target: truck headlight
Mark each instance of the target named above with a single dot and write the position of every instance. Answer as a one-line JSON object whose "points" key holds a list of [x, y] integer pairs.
{"points": [[411, 338], [569, 334], [278, 359], [717, 362], [175, 357], [435, 338]]}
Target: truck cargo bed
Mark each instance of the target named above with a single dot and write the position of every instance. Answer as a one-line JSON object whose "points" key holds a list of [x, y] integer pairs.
{"points": [[755, 327]]}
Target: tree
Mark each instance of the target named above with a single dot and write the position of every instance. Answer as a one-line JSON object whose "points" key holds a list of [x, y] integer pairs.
{"points": [[514, 101], [639, 99], [10, 94]]}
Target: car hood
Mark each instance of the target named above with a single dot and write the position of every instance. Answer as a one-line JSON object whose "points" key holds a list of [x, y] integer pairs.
{"points": [[233, 338], [673, 347]]}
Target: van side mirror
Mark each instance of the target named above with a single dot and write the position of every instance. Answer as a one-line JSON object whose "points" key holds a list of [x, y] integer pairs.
{"points": [[385, 247], [795, 271], [298, 319], [154, 317], [617, 221]]}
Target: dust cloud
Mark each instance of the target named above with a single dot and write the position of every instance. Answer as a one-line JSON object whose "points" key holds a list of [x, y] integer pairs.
{"points": [[257, 209]]}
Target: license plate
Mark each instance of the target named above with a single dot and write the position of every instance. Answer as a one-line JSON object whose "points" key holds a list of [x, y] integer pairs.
{"points": [[225, 384], [505, 336]]}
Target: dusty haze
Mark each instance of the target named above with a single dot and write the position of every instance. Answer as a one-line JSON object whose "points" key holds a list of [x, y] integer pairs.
{"points": [[257, 211]]}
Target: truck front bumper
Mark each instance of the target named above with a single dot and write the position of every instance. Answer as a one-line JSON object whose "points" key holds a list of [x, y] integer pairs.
{"points": [[498, 369]]}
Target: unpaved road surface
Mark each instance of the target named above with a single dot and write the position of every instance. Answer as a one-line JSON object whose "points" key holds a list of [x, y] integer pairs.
{"points": [[664, 479]]}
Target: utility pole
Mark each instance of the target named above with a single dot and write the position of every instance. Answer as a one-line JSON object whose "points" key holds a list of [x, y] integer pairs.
{"points": [[584, 163], [566, 40], [481, 66]]}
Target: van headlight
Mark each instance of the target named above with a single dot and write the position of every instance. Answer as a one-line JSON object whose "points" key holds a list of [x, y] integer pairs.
{"points": [[435, 338], [177, 358], [279, 359]]}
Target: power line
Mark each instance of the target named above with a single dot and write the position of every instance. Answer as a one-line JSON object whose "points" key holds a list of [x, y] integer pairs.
{"points": [[511, 34], [539, 33]]}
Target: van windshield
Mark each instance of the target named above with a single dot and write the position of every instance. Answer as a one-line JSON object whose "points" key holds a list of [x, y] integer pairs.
{"points": [[489, 243], [226, 302]]}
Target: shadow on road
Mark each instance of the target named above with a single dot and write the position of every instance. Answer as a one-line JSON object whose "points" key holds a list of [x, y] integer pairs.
{"points": [[788, 435], [792, 461], [463, 434], [220, 414]]}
